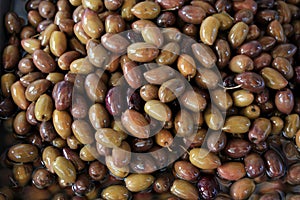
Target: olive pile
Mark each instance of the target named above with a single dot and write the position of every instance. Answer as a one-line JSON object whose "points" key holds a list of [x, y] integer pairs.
{"points": [[162, 100]]}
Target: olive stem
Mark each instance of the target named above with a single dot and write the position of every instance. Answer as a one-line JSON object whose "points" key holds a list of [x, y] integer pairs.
{"points": [[189, 78], [15, 184], [224, 128], [36, 36], [230, 88], [169, 149], [184, 149]]}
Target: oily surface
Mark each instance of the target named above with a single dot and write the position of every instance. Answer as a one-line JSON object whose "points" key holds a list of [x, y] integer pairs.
{"points": [[165, 99]]}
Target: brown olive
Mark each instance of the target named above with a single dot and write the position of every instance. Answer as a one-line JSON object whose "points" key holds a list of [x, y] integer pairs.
{"points": [[254, 165], [184, 190], [186, 171], [74, 158], [232, 171], [284, 101], [12, 22], [23, 153], [47, 131], [275, 167], [83, 185], [216, 141], [20, 124], [22, 173], [260, 130], [164, 138], [163, 182], [47, 9], [237, 148], [97, 170], [42, 178], [242, 189]]}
